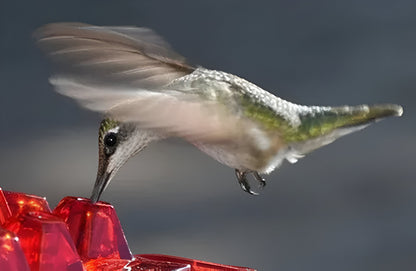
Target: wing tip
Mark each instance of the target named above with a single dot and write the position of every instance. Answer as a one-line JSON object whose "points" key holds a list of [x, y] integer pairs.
{"points": [[52, 28]]}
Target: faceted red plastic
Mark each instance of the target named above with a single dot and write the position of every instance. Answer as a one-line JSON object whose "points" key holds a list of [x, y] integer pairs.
{"points": [[95, 228], [195, 264], [106, 264], [138, 264], [45, 241], [4, 208], [20, 203], [11, 254], [141, 263]]}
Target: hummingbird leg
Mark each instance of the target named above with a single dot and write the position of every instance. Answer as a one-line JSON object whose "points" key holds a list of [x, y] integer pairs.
{"points": [[242, 180], [260, 179]]}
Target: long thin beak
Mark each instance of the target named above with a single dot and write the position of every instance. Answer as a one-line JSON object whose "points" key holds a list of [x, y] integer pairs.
{"points": [[100, 185]]}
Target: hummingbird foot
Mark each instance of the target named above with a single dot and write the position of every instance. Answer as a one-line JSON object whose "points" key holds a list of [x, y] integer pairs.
{"points": [[242, 180], [260, 179]]}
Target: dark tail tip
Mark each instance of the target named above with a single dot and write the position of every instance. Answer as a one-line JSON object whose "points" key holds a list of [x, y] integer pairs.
{"points": [[386, 110]]}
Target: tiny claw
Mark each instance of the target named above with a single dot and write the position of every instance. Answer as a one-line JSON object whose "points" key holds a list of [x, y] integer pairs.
{"points": [[260, 179], [242, 180]]}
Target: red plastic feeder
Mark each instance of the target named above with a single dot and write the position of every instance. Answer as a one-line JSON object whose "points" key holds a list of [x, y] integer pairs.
{"points": [[45, 238], [136, 264], [95, 228], [11, 254], [78, 235]]}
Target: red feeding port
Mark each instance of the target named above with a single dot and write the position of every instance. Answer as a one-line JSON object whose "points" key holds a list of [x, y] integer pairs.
{"points": [[95, 228], [78, 236], [45, 241], [11, 254], [20, 203]]}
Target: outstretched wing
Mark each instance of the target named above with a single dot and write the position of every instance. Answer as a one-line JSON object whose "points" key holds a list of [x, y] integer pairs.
{"points": [[124, 57], [170, 112], [125, 72]]}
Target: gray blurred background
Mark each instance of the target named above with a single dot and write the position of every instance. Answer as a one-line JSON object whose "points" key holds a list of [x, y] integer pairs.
{"points": [[348, 206]]}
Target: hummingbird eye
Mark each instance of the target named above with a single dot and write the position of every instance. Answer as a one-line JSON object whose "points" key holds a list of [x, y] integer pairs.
{"points": [[110, 139]]}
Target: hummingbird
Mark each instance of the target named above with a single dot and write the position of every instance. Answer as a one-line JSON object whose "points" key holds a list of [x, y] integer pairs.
{"points": [[148, 92]]}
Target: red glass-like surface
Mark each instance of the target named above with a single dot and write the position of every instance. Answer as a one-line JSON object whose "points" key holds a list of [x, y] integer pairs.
{"points": [[45, 241], [95, 228], [46, 244], [11, 254], [4, 208], [106, 264], [195, 264], [141, 263], [20, 203], [138, 264]]}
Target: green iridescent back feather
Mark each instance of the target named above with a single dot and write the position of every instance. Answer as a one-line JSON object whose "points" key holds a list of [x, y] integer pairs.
{"points": [[316, 123]]}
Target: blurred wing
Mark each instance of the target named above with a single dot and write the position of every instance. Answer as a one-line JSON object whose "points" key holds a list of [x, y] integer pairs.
{"points": [[97, 98], [175, 114], [124, 71], [169, 112], [125, 57]]}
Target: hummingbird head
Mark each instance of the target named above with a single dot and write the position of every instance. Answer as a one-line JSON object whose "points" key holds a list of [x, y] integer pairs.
{"points": [[117, 142]]}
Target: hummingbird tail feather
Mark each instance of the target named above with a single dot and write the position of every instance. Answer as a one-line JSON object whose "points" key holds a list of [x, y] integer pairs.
{"points": [[319, 129], [361, 114]]}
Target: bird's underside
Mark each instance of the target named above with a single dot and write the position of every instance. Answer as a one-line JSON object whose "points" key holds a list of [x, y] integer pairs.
{"points": [[133, 76]]}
